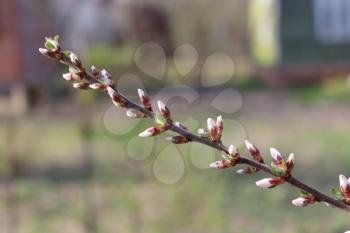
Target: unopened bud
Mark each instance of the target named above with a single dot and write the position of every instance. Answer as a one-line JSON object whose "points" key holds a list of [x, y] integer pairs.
{"points": [[276, 155], [212, 129], [344, 186], [71, 77], [98, 86], [82, 85], [152, 131], [269, 182], [116, 98], [144, 99], [304, 201], [221, 164], [46, 52], [94, 71], [219, 125], [164, 111], [178, 139], [232, 150], [202, 132], [290, 162], [75, 60], [134, 114]]}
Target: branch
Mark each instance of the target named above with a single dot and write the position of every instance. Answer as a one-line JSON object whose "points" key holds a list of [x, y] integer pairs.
{"points": [[280, 169]]}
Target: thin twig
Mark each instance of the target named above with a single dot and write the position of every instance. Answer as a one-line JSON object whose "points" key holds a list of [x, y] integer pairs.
{"points": [[216, 144]]}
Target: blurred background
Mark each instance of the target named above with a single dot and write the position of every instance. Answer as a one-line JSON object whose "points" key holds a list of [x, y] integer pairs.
{"points": [[277, 71]]}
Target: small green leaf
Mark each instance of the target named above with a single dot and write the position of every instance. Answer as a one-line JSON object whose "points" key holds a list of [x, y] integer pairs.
{"points": [[337, 194], [56, 38], [159, 119], [280, 171], [67, 53], [303, 193]]}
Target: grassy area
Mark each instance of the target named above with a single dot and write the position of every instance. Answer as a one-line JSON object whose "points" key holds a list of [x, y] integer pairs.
{"points": [[125, 193]]}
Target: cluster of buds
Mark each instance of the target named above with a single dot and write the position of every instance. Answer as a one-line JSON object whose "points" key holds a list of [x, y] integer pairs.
{"points": [[229, 160], [304, 199], [52, 47], [215, 128], [280, 167]]}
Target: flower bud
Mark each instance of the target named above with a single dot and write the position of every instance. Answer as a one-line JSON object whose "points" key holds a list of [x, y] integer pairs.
{"points": [[269, 182], [82, 85], [276, 155], [232, 150], [221, 164], [116, 97], [212, 129], [201, 132], [144, 99], [134, 114], [98, 86], [105, 74], [71, 77], [304, 201], [94, 71], [152, 131], [219, 125], [245, 171], [290, 162], [164, 111], [254, 151], [344, 186], [46, 52], [75, 60], [178, 139]]}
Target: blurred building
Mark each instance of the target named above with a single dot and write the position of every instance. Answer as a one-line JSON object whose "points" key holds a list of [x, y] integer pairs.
{"points": [[300, 40]]}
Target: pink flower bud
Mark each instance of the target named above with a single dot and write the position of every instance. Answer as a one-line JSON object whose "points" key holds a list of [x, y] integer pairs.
{"points": [[116, 98], [94, 71], [212, 129], [144, 99], [290, 162], [98, 86], [152, 131], [269, 182], [254, 151], [232, 150], [75, 60], [300, 202], [106, 75], [82, 85], [344, 186], [46, 52], [164, 110], [304, 201], [276, 155], [219, 125], [221, 164], [71, 77]]}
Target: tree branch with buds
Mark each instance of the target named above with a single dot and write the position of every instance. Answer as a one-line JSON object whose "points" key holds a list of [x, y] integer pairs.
{"points": [[280, 168]]}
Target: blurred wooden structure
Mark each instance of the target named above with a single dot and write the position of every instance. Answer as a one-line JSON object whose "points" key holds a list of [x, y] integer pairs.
{"points": [[300, 41]]}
